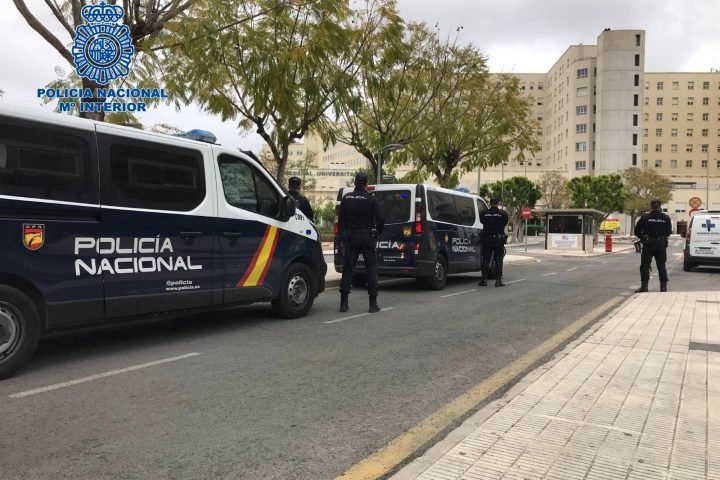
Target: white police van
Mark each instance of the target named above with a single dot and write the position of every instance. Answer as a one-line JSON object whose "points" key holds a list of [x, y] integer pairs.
{"points": [[702, 240], [101, 223]]}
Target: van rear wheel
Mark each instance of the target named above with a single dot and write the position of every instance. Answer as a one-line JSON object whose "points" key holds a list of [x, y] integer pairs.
{"points": [[687, 266], [297, 292], [439, 277], [19, 330]]}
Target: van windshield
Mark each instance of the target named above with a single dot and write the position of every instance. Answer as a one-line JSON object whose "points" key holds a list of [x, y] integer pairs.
{"points": [[395, 205]]}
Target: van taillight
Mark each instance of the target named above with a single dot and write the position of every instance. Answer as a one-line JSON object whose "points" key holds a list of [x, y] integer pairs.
{"points": [[336, 225], [418, 223], [687, 236], [416, 250]]}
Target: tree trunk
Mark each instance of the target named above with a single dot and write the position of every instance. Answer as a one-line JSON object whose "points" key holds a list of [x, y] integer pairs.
{"points": [[97, 116]]}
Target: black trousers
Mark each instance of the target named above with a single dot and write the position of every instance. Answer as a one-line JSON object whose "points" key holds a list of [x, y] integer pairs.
{"points": [[660, 260], [498, 251], [354, 246]]}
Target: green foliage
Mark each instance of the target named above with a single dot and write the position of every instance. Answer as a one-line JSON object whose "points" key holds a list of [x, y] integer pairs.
{"points": [[605, 193], [325, 213], [553, 186], [514, 193], [641, 187], [123, 118]]}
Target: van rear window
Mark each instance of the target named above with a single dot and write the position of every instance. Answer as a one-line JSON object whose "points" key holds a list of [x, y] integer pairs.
{"points": [[395, 204]]}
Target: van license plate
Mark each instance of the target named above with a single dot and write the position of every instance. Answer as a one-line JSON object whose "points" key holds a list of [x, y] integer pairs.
{"points": [[704, 251]]}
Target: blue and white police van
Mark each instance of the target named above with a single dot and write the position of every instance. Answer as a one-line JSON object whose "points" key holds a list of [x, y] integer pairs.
{"points": [[429, 233], [101, 223]]}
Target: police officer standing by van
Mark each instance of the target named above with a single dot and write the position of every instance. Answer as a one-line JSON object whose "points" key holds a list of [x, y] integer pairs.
{"points": [[361, 222], [300, 200], [494, 222], [653, 230]]}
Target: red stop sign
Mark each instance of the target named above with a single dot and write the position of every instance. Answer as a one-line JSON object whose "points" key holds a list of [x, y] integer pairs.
{"points": [[526, 212]]}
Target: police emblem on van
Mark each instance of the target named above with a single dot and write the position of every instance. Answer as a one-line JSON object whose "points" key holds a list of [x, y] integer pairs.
{"points": [[33, 235], [407, 231]]}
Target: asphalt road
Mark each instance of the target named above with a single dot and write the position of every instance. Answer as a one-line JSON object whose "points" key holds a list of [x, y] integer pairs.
{"points": [[253, 397]]}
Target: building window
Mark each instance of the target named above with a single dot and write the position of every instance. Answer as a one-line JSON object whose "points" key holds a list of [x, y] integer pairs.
{"points": [[689, 148], [706, 85], [679, 207], [688, 163], [659, 101], [647, 116], [581, 110], [582, 73], [637, 59], [645, 148], [645, 132], [658, 147], [647, 85], [658, 163], [660, 85], [676, 100], [637, 80], [691, 101], [691, 85], [645, 163], [689, 132], [634, 138], [706, 100], [674, 132], [658, 117], [540, 86], [581, 147], [658, 132], [636, 99], [704, 164], [637, 39], [705, 132], [674, 117], [647, 101], [690, 117], [634, 159], [581, 128], [706, 117], [673, 163], [635, 120], [676, 85], [705, 147], [582, 92], [673, 148], [581, 165]]}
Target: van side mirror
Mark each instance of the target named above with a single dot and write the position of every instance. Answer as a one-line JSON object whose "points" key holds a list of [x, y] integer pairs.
{"points": [[287, 208]]}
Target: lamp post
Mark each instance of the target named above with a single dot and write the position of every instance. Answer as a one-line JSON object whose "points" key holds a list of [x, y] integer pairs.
{"points": [[391, 147]]}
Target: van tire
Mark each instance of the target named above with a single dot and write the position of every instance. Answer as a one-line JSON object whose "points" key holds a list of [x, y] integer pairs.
{"points": [[687, 266], [297, 292], [439, 277], [20, 324], [359, 280]]}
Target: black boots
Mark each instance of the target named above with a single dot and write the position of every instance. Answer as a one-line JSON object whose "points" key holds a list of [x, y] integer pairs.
{"points": [[663, 286], [643, 288], [499, 283], [344, 302], [373, 305], [483, 283]]}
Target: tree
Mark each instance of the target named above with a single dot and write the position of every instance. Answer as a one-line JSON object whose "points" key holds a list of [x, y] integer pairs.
{"points": [[515, 193], [325, 214], [642, 186], [553, 186], [403, 70], [482, 124], [147, 20], [605, 193], [277, 73], [304, 167]]}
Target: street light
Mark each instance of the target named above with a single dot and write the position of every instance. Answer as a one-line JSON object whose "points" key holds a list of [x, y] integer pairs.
{"points": [[378, 158]]}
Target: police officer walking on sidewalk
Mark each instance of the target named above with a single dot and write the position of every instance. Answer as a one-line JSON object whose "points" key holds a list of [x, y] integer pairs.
{"points": [[653, 230], [494, 222], [300, 200], [361, 222]]}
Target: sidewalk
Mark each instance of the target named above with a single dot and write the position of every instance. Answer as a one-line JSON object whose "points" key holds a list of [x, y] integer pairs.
{"points": [[638, 398]]}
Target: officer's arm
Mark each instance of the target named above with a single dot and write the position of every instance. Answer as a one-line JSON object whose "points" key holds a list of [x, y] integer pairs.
{"points": [[306, 208], [506, 219], [341, 215], [668, 228], [378, 214], [638, 228]]}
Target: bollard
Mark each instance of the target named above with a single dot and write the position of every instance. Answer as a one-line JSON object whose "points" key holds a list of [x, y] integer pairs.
{"points": [[608, 243]]}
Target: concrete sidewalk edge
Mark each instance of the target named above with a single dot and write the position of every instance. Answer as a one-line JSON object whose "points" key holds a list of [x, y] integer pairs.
{"points": [[417, 465]]}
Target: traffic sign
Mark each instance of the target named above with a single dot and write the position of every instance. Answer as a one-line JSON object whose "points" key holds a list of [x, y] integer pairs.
{"points": [[695, 202], [526, 212]]}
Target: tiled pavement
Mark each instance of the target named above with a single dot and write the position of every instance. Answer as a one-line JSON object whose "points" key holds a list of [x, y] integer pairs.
{"points": [[637, 399]]}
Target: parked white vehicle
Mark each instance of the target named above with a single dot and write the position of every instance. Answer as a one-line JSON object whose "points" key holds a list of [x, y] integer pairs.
{"points": [[702, 241]]}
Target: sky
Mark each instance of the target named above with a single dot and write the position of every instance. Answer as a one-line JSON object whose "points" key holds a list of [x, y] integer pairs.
{"points": [[518, 36]]}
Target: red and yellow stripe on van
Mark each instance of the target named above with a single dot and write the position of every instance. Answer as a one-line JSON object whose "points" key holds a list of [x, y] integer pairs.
{"points": [[255, 274]]}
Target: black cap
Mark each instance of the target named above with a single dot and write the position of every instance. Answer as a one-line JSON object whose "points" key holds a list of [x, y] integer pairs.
{"points": [[361, 178], [294, 183], [655, 203], [494, 201]]}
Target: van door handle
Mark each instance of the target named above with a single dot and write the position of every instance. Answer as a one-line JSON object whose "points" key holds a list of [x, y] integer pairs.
{"points": [[190, 234], [232, 234]]}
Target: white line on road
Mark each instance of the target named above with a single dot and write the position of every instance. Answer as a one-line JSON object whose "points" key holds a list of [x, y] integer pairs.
{"points": [[515, 281], [590, 266], [459, 293], [548, 274], [357, 316], [678, 243], [571, 269], [70, 383]]}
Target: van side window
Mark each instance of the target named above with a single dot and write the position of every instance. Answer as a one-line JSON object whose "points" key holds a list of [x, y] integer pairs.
{"points": [[245, 187], [465, 210], [155, 177], [46, 162], [442, 207], [482, 206]]}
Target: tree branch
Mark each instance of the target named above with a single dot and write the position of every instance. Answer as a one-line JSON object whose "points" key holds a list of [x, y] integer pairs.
{"points": [[44, 32]]}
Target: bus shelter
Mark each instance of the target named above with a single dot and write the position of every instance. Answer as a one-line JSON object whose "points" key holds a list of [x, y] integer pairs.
{"points": [[570, 229]]}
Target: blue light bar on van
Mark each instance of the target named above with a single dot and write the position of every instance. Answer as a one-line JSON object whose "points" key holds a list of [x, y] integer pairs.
{"points": [[199, 135]]}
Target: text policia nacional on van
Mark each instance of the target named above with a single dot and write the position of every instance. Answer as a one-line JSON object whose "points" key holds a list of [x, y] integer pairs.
{"points": [[115, 99]]}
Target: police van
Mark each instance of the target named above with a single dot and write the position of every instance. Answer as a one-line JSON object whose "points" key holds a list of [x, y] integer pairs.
{"points": [[702, 240], [429, 233], [101, 223]]}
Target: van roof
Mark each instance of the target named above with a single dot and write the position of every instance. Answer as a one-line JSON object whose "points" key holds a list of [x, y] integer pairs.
{"points": [[412, 186]]}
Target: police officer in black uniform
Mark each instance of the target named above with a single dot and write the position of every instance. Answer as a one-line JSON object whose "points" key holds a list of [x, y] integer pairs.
{"points": [[653, 230], [361, 221], [300, 200], [494, 222]]}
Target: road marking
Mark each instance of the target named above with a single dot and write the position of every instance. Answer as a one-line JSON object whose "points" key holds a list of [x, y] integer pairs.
{"points": [[678, 243], [515, 281], [388, 457], [571, 269], [548, 274], [459, 293], [587, 424], [590, 266], [677, 254], [111, 373], [358, 315]]}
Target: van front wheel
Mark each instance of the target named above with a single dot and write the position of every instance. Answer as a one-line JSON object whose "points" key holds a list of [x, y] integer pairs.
{"points": [[19, 330], [297, 292]]}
